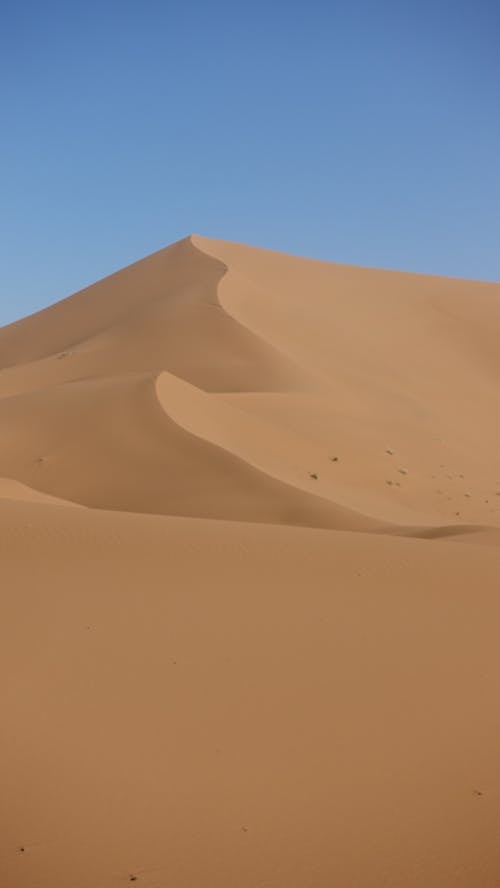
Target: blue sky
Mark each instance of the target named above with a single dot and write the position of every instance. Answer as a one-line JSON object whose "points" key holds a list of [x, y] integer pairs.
{"points": [[358, 132]]}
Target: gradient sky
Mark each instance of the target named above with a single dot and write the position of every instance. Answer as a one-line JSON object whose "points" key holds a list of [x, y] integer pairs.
{"points": [[358, 132]]}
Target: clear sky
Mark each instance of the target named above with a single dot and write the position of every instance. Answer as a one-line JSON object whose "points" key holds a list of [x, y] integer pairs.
{"points": [[358, 132]]}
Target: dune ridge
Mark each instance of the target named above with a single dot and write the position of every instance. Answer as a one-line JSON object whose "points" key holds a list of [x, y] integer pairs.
{"points": [[161, 313], [249, 560]]}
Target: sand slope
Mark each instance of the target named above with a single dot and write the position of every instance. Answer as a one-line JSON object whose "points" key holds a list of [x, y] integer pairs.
{"points": [[265, 653], [15, 490], [198, 702]]}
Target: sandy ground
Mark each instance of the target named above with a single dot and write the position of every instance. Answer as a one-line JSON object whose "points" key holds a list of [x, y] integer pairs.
{"points": [[249, 567]]}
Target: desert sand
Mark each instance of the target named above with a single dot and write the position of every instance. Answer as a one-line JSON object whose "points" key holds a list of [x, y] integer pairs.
{"points": [[250, 578]]}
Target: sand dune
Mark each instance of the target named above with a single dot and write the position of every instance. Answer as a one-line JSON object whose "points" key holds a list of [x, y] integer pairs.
{"points": [[107, 443], [265, 652]]}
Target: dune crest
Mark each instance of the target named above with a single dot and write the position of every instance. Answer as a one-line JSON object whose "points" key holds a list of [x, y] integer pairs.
{"points": [[161, 313]]}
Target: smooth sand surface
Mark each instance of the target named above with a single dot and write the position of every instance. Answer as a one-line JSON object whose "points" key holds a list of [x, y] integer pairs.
{"points": [[266, 651], [14, 490]]}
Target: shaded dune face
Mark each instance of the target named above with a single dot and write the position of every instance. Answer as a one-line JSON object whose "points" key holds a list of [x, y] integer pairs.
{"points": [[160, 313], [15, 491], [108, 444]]}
